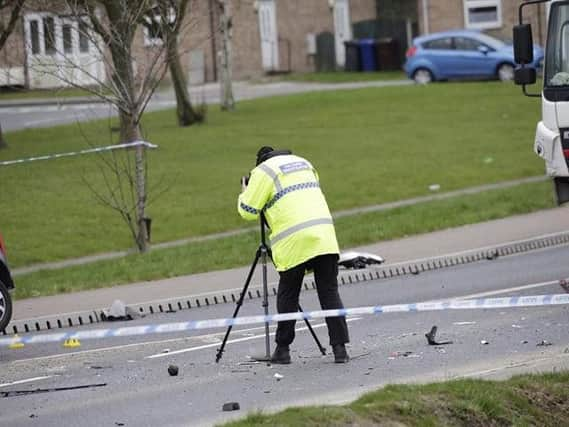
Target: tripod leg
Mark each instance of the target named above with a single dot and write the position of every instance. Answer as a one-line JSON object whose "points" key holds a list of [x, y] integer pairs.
{"points": [[322, 349], [238, 305], [266, 301]]}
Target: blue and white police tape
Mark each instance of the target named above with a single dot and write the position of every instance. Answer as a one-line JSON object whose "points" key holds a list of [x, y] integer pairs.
{"points": [[79, 153], [466, 304]]}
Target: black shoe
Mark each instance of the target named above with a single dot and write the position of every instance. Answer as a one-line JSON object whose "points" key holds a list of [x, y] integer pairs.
{"points": [[281, 356], [340, 353]]}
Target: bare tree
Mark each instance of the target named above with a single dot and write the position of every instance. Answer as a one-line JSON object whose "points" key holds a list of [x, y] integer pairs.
{"points": [[225, 63], [111, 26], [170, 27], [11, 10]]}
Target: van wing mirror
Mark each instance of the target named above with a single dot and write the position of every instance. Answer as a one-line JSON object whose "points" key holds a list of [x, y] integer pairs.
{"points": [[523, 44], [525, 76]]}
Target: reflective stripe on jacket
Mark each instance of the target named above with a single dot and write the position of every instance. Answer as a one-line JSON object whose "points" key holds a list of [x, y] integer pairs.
{"points": [[287, 190]]}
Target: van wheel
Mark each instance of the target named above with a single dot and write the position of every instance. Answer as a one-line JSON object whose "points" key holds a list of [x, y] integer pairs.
{"points": [[5, 307], [423, 76], [505, 72]]}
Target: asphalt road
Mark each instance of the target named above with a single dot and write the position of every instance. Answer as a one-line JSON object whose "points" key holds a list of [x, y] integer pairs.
{"points": [[385, 349]]}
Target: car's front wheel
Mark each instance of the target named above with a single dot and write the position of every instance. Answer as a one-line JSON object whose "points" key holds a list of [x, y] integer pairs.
{"points": [[423, 76], [506, 72], [5, 307]]}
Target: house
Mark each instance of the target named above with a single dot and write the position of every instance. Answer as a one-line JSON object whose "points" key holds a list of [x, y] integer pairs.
{"points": [[495, 17], [268, 36]]}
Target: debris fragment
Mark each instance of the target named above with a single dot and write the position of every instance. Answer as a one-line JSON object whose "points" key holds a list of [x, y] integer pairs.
{"points": [[119, 311], [516, 326], [431, 337], [398, 354], [47, 390], [464, 323], [524, 341], [484, 342], [118, 423], [231, 406], [173, 370], [278, 376], [358, 260], [434, 187], [543, 343]]}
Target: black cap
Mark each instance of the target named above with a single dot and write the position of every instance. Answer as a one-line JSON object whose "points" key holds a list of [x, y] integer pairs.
{"points": [[262, 153]]}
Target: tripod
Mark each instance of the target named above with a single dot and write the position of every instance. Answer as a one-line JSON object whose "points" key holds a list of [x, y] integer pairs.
{"points": [[262, 254]]}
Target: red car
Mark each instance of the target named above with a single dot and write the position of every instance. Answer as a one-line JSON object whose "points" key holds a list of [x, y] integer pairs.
{"points": [[6, 286]]}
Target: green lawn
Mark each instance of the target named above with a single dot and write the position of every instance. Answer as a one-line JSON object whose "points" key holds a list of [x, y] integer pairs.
{"points": [[345, 76], [239, 250], [525, 400], [370, 146]]}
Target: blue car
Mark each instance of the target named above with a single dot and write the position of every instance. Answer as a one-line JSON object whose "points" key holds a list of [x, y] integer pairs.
{"points": [[463, 54]]}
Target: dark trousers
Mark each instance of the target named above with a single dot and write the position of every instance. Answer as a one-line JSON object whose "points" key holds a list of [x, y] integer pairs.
{"points": [[326, 277]]}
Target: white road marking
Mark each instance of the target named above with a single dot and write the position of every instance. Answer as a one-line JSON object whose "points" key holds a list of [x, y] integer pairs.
{"points": [[186, 350], [503, 291], [29, 380]]}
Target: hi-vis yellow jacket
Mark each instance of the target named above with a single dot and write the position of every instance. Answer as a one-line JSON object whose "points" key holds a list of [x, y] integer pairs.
{"points": [[287, 190]]}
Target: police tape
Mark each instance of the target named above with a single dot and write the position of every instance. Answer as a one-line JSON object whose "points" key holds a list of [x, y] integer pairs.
{"points": [[465, 304], [79, 153]]}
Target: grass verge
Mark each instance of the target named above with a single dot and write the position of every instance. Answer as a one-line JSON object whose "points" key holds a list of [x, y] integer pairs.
{"points": [[525, 400], [233, 251], [346, 77], [370, 146]]}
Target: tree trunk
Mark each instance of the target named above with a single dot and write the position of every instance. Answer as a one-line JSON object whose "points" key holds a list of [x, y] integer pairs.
{"points": [[185, 112], [3, 143], [227, 100], [130, 132]]}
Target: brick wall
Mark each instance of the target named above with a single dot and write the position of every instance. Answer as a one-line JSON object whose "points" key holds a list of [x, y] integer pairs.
{"points": [[449, 15]]}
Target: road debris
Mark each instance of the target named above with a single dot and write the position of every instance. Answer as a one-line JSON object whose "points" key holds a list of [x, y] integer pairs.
{"points": [[543, 343], [278, 376], [484, 342], [119, 311], [431, 337], [406, 354], [47, 390], [464, 323], [231, 406], [173, 370]]}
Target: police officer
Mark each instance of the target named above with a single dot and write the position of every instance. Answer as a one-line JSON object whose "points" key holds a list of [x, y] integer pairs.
{"points": [[285, 188]]}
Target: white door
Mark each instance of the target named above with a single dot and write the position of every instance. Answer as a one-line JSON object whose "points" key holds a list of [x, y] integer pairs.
{"points": [[269, 35], [342, 29], [61, 52]]}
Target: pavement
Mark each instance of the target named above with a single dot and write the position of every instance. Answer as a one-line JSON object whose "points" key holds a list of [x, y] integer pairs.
{"points": [[444, 242]]}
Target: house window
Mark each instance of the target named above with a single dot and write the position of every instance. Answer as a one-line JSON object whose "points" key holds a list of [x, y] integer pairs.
{"points": [[35, 37], [49, 35], [67, 38], [83, 37], [482, 14]]}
